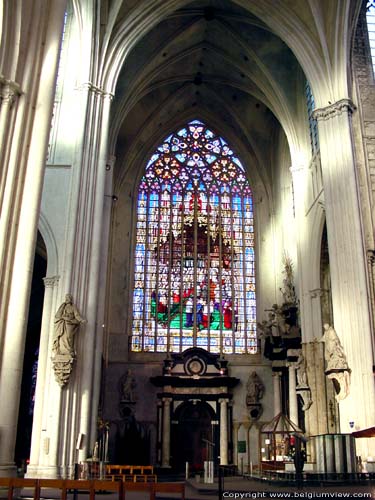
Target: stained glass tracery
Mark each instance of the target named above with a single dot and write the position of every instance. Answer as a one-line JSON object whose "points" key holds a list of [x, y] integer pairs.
{"points": [[194, 259]]}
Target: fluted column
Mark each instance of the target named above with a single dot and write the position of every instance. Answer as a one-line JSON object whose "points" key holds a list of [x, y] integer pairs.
{"points": [[276, 378], [223, 431], [351, 309], [166, 438], [293, 406]]}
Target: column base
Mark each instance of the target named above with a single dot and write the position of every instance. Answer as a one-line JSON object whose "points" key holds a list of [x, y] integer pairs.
{"points": [[8, 470], [42, 471]]}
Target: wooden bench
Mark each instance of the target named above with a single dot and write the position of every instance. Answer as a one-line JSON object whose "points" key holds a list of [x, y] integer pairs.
{"points": [[131, 473], [92, 486], [11, 483]]}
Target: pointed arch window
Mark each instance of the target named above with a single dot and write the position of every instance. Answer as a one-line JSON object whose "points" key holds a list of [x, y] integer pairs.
{"points": [[194, 258], [370, 18]]}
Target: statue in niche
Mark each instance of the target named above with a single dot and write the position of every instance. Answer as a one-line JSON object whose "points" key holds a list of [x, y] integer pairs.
{"points": [[301, 372], [67, 322], [255, 388], [337, 367], [333, 352], [126, 386]]}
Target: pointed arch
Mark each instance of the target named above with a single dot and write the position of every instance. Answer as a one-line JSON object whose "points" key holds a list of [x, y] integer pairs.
{"points": [[194, 270]]}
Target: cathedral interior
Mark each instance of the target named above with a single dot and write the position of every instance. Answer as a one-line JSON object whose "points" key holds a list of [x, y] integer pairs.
{"points": [[187, 234]]}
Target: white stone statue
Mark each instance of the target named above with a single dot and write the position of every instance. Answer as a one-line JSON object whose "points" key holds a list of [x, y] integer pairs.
{"points": [[301, 372], [337, 367], [67, 322], [333, 351]]}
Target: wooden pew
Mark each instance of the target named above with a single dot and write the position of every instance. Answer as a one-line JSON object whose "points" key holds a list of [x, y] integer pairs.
{"points": [[169, 488], [132, 486], [10, 483]]}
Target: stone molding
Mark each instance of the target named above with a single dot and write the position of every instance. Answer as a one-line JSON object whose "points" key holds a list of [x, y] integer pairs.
{"points": [[51, 281], [63, 366], [336, 109], [296, 169], [90, 87]]}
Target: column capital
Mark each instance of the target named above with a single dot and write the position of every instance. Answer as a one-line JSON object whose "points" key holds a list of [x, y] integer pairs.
{"points": [[317, 292], [9, 93], [94, 89], [167, 400], [371, 256], [276, 374], [336, 109], [223, 400], [51, 281], [297, 169]]}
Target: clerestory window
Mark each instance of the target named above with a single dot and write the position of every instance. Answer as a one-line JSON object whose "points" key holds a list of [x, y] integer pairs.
{"points": [[194, 259], [370, 18]]}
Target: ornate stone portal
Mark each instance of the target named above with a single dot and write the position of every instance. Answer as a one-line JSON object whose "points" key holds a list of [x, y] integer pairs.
{"points": [[194, 409]]}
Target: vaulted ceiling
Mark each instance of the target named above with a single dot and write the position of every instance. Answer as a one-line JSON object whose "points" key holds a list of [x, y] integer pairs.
{"points": [[217, 61]]}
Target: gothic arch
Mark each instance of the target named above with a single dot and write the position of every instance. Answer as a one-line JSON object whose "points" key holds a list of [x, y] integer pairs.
{"points": [[51, 246]]}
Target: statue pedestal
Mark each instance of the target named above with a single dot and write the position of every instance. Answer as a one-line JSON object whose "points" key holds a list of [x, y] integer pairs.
{"points": [[62, 366], [341, 381]]}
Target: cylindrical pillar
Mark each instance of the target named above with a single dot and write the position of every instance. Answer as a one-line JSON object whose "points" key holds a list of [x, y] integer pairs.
{"points": [[50, 284], [166, 438], [293, 407], [17, 313], [276, 392], [223, 431], [347, 261], [236, 426]]}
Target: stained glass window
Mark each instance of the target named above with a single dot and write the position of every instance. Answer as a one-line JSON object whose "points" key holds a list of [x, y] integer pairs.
{"points": [[370, 17], [313, 125], [194, 257]]}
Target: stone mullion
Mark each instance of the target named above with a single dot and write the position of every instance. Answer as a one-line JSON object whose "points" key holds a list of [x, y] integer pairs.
{"points": [[347, 258]]}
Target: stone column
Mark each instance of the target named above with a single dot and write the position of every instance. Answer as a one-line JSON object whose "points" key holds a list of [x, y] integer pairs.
{"points": [[370, 266], [236, 426], [276, 378], [247, 427], [166, 438], [9, 93], [351, 308], [223, 431], [37, 441], [293, 407], [32, 154]]}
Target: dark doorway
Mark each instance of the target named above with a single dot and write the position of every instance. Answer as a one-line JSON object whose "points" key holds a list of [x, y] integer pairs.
{"points": [[30, 362], [132, 440], [192, 430]]}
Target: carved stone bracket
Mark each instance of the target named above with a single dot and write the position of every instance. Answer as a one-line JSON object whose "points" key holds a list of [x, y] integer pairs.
{"points": [[255, 410], [62, 366], [305, 394], [335, 109], [341, 382]]}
